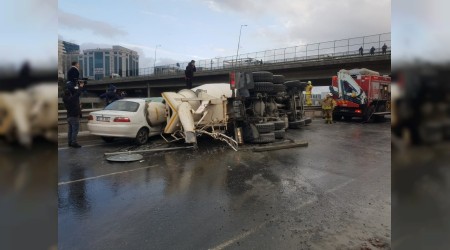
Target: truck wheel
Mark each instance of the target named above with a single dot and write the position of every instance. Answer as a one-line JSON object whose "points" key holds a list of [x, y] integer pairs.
{"points": [[368, 114], [262, 76], [296, 124], [266, 127], [380, 118], [279, 125], [279, 134], [142, 136], [265, 138], [337, 117], [250, 132], [263, 87], [278, 79], [295, 84], [108, 139], [277, 88]]}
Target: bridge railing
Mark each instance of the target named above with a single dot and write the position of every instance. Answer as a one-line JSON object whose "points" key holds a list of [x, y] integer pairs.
{"points": [[309, 52]]}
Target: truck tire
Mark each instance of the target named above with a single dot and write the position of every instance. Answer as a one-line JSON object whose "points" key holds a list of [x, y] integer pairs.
{"points": [[368, 113], [277, 88], [141, 136], [278, 79], [265, 138], [266, 127], [296, 124], [380, 118], [262, 76], [280, 134], [250, 132], [279, 125], [295, 84], [263, 87]]}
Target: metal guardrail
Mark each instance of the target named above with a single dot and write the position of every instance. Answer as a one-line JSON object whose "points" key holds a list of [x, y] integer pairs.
{"points": [[62, 115], [343, 48]]}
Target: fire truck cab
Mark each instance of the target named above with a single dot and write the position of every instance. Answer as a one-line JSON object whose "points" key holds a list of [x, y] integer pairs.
{"points": [[361, 93]]}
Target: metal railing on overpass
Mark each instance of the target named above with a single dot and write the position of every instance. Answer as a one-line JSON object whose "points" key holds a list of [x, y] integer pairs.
{"points": [[336, 49]]}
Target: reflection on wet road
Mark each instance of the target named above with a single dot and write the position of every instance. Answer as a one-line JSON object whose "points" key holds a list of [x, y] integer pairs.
{"points": [[333, 193]]}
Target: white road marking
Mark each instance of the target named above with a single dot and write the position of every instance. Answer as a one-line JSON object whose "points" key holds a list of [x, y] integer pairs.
{"points": [[104, 175], [339, 186], [239, 237], [253, 230]]}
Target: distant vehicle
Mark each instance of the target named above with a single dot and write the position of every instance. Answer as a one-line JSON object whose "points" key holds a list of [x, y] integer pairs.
{"points": [[115, 75], [128, 118], [361, 93]]}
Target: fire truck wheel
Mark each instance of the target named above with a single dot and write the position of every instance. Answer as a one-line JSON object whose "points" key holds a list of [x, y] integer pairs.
{"points": [[295, 84], [279, 134], [279, 125], [262, 76], [380, 118], [265, 138], [296, 124], [277, 88], [266, 127], [263, 87], [337, 117], [368, 114], [278, 79]]}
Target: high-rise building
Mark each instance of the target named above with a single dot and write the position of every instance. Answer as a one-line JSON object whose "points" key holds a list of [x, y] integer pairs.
{"points": [[100, 63], [67, 53]]}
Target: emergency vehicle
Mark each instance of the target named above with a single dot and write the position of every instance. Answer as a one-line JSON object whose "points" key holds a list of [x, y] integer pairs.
{"points": [[361, 93]]}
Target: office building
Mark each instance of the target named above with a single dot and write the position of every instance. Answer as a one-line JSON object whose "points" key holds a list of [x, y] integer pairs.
{"points": [[102, 63]]}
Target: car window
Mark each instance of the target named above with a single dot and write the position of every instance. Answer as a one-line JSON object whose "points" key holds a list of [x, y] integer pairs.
{"points": [[123, 106]]}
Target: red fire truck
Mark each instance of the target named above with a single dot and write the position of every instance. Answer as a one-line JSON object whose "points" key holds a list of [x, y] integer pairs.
{"points": [[361, 93]]}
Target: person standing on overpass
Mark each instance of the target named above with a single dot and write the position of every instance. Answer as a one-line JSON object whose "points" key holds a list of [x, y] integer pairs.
{"points": [[189, 74]]}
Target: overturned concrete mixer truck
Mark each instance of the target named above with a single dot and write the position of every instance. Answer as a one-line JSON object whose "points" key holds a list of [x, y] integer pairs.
{"points": [[253, 107]]}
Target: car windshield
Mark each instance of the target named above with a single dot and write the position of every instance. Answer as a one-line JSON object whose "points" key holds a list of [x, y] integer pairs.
{"points": [[123, 106]]}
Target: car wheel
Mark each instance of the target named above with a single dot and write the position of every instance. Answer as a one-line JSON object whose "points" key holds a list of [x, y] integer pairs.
{"points": [[348, 118], [142, 136], [108, 139]]}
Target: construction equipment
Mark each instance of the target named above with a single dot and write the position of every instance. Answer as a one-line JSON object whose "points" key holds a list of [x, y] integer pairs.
{"points": [[361, 93]]}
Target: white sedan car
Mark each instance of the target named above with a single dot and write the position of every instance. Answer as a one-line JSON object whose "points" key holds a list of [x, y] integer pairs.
{"points": [[124, 118]]}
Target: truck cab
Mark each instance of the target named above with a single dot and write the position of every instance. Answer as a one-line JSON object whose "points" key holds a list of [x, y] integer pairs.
{"points": [[361, 93]]}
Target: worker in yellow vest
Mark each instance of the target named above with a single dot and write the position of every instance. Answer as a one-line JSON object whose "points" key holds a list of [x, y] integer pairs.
{"points": [[308, 90], [328, 105]]}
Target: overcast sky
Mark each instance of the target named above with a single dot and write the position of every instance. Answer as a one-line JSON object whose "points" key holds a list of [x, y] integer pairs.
{"points": [[202, 29]]}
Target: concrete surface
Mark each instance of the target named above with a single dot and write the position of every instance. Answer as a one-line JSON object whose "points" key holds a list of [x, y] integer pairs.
{"points": [[333, 194]]}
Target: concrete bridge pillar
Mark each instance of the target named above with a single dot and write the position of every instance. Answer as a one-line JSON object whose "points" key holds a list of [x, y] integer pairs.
{"points": [[148, 89]]}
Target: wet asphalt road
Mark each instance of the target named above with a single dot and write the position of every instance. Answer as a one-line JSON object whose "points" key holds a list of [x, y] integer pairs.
{"points": [[333, 194]]}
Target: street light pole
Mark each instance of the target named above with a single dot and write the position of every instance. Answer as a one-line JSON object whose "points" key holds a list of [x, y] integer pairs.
{"points": [[239, 42], [154, 62]]}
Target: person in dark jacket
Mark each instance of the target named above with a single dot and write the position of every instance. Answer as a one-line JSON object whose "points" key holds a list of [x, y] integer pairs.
{"points": [[73, 75], [361, 51], [71, 101], [372, 50], [384, 48], [189, 74], [110, 95]]}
